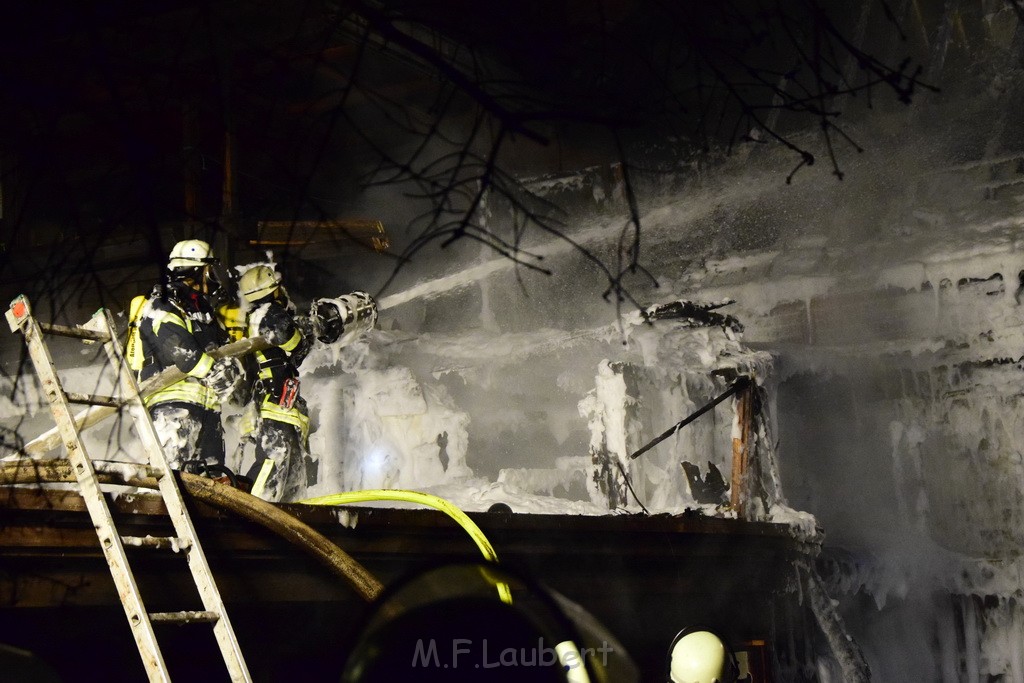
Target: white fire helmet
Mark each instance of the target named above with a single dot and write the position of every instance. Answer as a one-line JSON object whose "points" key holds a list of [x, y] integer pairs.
{"points": [[257, 282], [698, 657], [190, 254]]}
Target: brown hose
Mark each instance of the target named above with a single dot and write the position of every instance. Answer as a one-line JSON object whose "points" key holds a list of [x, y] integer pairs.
{"points": [[51, 439], [223, 497]]}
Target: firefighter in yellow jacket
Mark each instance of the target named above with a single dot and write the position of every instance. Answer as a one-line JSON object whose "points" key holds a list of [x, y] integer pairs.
{"points": [[281, 431], [177, 326]]}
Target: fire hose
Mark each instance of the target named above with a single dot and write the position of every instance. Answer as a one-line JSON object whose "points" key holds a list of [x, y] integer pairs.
{"points": [[463, 520], [218, 495], [49, 440]]}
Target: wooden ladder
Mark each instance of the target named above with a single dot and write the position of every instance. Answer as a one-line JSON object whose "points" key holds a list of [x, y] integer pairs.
{"points": [[101, 329]]}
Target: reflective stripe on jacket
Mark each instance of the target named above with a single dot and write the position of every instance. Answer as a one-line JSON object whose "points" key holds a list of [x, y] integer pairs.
{"points": [[295, 416], [189, 390]]}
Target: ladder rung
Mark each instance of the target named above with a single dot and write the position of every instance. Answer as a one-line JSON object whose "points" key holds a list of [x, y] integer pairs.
{"points": [[159, 542], [185, 617], [125, 469], [90, 399], [79, 332]]}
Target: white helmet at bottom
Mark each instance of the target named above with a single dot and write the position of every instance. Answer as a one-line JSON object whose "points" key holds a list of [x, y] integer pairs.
{"points": [[699, 657]]}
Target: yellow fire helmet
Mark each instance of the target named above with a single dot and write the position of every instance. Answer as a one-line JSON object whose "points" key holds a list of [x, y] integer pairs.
{"points": [[257, 282]]}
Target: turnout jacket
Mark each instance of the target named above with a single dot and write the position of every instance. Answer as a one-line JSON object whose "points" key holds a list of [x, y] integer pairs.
{"points": [[276, 387], [179, 327]]}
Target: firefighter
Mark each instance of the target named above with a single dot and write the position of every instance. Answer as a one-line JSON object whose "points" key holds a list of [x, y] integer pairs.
{"points": [[177, 326], [281, 421]]}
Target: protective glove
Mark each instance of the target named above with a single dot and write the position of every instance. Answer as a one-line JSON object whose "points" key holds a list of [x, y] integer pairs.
{"points": [[224, 377]]}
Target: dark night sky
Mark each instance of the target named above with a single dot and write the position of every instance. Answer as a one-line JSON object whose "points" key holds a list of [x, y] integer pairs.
{"points": [[144, 122]]}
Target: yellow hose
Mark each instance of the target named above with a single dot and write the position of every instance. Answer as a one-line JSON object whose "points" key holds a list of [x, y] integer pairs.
{"points": [[429, 500]]}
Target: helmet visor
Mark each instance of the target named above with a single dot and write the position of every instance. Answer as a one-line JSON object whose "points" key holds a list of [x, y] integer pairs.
{"points": [[215, 282]]}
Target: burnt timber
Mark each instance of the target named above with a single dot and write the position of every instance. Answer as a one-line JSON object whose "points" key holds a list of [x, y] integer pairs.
{"points": [[643, 577]]}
